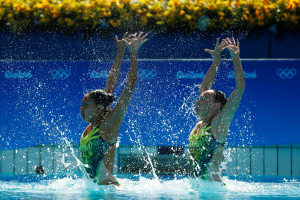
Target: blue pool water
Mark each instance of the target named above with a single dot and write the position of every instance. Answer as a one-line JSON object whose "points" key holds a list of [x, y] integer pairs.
{"points": [[143, 187]]}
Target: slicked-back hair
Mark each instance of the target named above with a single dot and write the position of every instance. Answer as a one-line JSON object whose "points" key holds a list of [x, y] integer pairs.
{"points": [[101, 97], [220, 97]]}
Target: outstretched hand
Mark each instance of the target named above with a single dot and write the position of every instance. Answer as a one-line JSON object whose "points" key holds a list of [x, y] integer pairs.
{"points": [[122, 42], [233, 47], [135, 41], [216, 53]]}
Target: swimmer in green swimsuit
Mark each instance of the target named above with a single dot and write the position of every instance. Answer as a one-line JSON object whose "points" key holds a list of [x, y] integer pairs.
{"points": [[97, 143], [207, 139]]}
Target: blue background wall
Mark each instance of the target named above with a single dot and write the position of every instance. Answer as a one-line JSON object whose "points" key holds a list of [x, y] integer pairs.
{"points": [[40, 101], [58, 46]]}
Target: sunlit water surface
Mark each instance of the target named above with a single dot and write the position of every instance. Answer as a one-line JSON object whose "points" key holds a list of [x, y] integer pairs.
{"points": [[140, 187]]}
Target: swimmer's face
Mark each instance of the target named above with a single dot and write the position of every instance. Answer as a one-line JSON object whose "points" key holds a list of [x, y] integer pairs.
{"points": [[89, 110], [206, 104]]}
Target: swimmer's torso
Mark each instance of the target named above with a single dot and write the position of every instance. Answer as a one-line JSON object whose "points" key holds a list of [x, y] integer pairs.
{"points": [[202, 146], [92, 148]]}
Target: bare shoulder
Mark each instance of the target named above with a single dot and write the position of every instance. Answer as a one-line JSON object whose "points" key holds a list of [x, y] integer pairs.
{"points": [[197, 127], [87, 130]]}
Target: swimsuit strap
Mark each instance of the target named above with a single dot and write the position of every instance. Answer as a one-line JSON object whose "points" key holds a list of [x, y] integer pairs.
{"points": [[96, 130]]}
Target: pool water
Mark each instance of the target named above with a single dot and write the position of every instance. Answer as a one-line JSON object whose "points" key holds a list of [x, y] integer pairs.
{"points": [[147, 187]]}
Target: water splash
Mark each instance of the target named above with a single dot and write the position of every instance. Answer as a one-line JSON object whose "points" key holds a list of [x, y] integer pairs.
{"points": [[151, 164], [79, 164], [184, 188]]}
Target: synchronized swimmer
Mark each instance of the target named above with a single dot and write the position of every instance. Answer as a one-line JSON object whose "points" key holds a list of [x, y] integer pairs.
{"points": [[98, 141], [207, 139]]}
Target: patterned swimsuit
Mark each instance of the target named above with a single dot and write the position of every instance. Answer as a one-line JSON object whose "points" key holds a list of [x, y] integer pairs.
{"points": [[93, 148], [202, 146]]}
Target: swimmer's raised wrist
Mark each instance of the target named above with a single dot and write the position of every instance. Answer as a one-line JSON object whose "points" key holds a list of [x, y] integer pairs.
{"points": [[235, 58], [217, 60], [121, 49]]}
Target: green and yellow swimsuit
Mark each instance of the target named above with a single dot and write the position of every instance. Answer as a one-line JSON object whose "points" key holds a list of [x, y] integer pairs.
{"points": [[202, 146], [93, 148]]}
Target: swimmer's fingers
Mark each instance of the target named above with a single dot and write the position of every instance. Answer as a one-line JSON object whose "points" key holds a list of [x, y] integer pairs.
{"points": [[117, 38], [136, 42], [217, 42], [230, 48], [223, 45], [144, 36], [228, 41], [125, 35], [233, 42], [208, 51], [233, 50], [131, 36], [140, 34], [144, 41]]}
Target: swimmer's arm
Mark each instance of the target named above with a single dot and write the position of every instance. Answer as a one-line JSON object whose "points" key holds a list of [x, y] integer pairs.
{"points": [[105, 176], [239, 74], [214, 169], [109, 158], [210, 76], [224, 119], [234, 49], [114, 72], [115, 118]]}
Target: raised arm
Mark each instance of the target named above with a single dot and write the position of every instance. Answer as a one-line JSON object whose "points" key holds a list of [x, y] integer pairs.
{"points": [[114, 72], [114, 118], [235, 97], [221, 125], [210, 76]]}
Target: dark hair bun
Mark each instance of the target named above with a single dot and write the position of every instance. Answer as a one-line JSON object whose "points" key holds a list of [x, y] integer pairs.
{"points": [[220, 97], [102, 97]]}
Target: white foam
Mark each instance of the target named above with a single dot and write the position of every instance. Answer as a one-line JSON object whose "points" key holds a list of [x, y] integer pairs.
{"points": [[155, 188]]}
